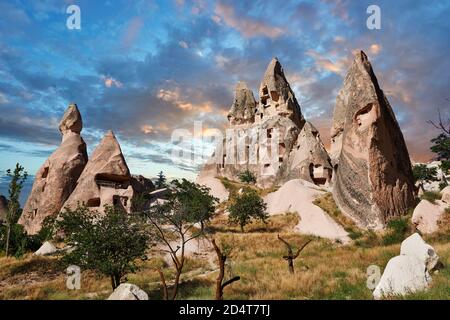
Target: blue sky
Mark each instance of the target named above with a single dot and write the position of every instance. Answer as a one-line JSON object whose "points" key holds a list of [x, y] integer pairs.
{"points": [[145, 68]]}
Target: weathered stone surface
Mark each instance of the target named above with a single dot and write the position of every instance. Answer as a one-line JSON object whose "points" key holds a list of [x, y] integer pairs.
{"points": [[373, 176], [446, 195], [410, 271], [415, 246], [264, 145], [243, 109], [427, 215], [57, 177], [308, 159], [3, 208], [106, 180], [46, 249], [142, 184], [215, 185], [128, 291]]}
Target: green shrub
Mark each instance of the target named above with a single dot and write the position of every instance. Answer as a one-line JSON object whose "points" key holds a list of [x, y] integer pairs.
{"points": [[247, 206], [19, 242], [247, 177], [398, 228], [431, 196]]}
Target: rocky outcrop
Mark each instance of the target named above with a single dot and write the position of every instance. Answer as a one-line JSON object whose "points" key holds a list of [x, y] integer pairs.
{"points": [[142, 184], [446, 195], [57, 178], [410, 271], [3, 208], [128, 291], [373, 176], [46, 249], [106, 180], [262, 137], [427, 215], [243, 109]]}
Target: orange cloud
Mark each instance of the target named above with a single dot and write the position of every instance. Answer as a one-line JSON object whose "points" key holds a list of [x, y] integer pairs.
{"points": [[111, 82], [375, 49], [248, 27], [174, 96]]}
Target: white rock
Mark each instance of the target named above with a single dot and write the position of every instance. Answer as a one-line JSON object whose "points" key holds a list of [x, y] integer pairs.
{"points": [[403, 275], [215, 185], [46, 249], [446, 195], [414, 246], [426, 215], [128, 291]]}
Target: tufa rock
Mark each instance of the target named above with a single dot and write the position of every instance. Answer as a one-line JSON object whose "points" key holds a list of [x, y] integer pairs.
{"points": [[373, 177], [142, 184], [128, 291], [106, 180], [410, 271], [3, 208], [243, 109], [263, 143], [57, 177], [427, 215], [46, 249], [446, 195]]}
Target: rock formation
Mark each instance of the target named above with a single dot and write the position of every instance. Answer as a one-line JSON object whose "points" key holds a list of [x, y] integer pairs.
{"points": [[57, 177], [446, 195], [373, 177], [408, 272], [427, 215], [270, 137], [106, 180], [128, 291], [3, 208], [142, 184]]}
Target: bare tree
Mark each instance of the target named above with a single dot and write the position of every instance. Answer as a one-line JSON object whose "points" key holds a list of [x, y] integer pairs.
{"points": [[220, 285], [441, 124], [290, 257]]}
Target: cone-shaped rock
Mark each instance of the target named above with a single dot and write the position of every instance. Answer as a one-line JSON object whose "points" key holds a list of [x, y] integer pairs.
{"points": [[308, 159], [57, 177], [3, 208], [374, 181], [106, 179], [276, 96], [243, 109]]}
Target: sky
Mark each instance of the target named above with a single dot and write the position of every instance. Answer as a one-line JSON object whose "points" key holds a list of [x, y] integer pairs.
{"points": [[145, 68]]}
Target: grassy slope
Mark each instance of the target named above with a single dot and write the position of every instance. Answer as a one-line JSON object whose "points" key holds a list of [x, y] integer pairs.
{"points": [[324, 269]]}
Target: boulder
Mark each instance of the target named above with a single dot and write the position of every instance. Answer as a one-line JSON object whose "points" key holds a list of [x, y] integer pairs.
{"points": [[106, 180], [426, 215], [216, 187], [415, 246], [142, 184], [446, 195], [46, 249], [3, 208], [57, 177], [128, 291], [410, 271], [373, 180]]}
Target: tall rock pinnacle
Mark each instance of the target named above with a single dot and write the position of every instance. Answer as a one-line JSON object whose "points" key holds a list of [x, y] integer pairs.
{"points": [[243, 109], [106, 180], [373, 177], [57, 177]]}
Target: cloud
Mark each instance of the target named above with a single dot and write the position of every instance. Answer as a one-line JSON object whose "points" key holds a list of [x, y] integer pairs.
{"points": [[111, 82], [131, 32], [247, 26]]}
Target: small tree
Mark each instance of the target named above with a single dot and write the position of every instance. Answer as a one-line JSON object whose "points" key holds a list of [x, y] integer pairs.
{"points": [[441, 144], [109, 243], [161, 181], [247, 206], [290, 257], [18, 178], [174, 223], [423, 174], [222, 258], [247, 177]]}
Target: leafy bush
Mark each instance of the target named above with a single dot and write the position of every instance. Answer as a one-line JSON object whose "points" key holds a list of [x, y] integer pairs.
{"points": [[398, 229], [19, 242], [247, 177], [247, 206], [109, 243], [431, 196]]}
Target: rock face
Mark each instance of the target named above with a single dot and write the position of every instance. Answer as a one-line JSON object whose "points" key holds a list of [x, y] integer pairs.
{"points": [[106, 180], [263, 136], [128, 291], [373, 176], [427, 215], [142, 184], [446, 195], [410, 271], [57, 177], [3, 208]]}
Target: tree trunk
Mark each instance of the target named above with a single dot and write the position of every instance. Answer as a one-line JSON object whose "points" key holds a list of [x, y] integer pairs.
{"points": [[8, 235], [219, 285], [291, 264], [175, 287], [164, 284]]}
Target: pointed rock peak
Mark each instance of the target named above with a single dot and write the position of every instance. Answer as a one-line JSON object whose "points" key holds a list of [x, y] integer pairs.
{"points": [[71, 120], [244, 106], [242, 85], [273, 69]]}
